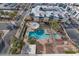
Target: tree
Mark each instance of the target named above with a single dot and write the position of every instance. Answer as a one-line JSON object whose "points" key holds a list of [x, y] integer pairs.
{"points": [[38, 44], [2, 12], [31, 41], [12, 14], [17, 45], [55, 25], [6, 13], [1, 33]]}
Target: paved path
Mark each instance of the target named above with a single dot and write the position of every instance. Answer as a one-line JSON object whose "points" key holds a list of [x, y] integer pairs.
{"points": [[5, 32], [44, 49]]}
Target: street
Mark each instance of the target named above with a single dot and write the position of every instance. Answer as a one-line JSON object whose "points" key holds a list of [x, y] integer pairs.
{"points": [[3, 26], [6, 40], [11, 33]]}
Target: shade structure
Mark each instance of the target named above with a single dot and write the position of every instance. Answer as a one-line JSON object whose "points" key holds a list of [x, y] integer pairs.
{"points": [[34, 25]]}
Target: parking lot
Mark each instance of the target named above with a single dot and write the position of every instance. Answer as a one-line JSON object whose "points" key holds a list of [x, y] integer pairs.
{"points": [[8, 6], [70, 25], [71, 30], [74, 35]]}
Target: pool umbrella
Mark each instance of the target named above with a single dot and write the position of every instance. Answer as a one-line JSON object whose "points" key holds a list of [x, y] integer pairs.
{"points": [[34, 25]]}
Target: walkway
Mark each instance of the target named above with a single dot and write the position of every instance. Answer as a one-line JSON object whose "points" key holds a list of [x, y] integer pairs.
{"points": [[44, 49]]}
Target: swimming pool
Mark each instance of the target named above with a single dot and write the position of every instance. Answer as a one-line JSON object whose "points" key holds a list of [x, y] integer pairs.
{"points": [[39, 34]]}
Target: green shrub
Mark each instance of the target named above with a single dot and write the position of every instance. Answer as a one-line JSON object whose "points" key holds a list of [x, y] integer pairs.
{"points": [[38, 44], [55, 25], [70, 52], [31, 41], [17, 45]]}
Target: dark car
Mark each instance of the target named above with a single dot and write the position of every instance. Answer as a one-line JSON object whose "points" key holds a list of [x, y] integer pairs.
{"points": [[10, 27]]}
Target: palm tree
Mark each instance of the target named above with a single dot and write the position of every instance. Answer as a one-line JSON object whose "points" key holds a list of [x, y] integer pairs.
{"points": [[55, 25], [4, 13], [16, 46]]}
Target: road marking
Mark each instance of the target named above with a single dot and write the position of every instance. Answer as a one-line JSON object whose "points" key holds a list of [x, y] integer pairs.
{"points": [[5, 32]]}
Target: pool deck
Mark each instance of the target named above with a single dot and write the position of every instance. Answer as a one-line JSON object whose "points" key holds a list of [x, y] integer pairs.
{"points": [[45, 41]]}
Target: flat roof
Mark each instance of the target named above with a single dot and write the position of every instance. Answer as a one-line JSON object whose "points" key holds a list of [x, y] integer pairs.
{"points": [[28, 49], [32, 49], [8, 6], [52, 10]]}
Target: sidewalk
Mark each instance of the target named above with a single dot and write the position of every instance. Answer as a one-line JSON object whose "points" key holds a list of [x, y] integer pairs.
{"points": [[5, 32], [44, 49], [6, 21]]}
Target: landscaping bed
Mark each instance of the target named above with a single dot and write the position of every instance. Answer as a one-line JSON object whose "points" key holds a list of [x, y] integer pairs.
{"points": [[16, 46], [1, 34], [39, 49], [39, 46]]}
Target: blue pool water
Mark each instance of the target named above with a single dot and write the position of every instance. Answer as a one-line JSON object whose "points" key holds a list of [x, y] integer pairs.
{"points": [[39, 34]]}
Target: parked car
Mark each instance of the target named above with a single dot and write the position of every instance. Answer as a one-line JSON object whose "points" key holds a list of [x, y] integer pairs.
{"points": [[10, 27]]}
